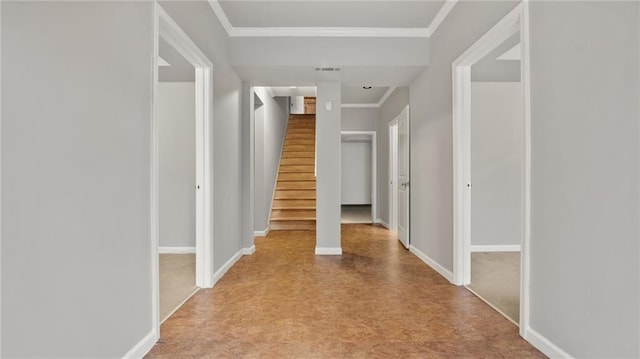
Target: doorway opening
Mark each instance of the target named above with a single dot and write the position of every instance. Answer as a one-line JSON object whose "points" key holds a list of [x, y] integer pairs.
{"points": [[491, 167], [358, 177], [181, 193]]}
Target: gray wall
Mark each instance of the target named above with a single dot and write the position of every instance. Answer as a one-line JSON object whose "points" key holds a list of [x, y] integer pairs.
{"points": [[585, 183], [328, 176], [177, 163], [76, 256], [496, 163], [201, 24], [389, 110], [270, 127], [355, 171], [360, 119], [431, 128]]}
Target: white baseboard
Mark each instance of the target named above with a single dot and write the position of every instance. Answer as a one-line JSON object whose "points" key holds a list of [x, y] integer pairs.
{"points": [[143, 347], [544, 345], [328, 251], [383, 223], [248, 251], [220, 272], [431, 263], [498, 248], [261, 233], [176, 250]]}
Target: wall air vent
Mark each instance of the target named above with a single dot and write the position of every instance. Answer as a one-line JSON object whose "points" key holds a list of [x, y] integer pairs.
{"points": [[327, 69]]}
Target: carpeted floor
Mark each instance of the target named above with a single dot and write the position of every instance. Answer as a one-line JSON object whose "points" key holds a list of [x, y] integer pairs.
{"points": [[356, 213], [495, 277], [177, 281]]}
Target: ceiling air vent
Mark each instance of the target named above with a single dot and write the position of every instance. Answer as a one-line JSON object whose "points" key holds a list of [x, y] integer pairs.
{"points": [[327, 69]]}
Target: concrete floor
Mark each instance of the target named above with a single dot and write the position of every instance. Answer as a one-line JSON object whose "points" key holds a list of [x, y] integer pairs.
{"points": [[495, 277], [177, 281], [376, 300]]}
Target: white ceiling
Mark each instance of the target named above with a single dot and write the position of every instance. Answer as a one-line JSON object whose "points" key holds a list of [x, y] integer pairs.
{"points": [[359, 95], [327, 13]]}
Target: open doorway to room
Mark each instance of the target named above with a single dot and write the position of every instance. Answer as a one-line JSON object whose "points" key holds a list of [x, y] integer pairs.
{"points": [[491, 168], [181, 207], [358, 177], [177, 172]]}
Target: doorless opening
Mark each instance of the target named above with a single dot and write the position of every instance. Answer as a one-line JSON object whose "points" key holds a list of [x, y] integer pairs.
{"points": [[359, 172], [167, 30]]}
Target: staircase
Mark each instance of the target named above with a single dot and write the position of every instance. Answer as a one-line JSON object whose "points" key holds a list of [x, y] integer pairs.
{"points": [[294, 204]]}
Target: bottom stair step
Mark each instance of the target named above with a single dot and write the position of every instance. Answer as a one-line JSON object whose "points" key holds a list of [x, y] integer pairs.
{"points": [[307, 225]]}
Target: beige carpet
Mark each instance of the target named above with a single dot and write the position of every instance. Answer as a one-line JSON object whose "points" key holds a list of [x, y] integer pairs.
{"points": [[356, 213], [177, 281], [495, 277]]}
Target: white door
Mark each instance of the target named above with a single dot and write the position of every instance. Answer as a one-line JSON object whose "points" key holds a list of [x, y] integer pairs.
{"points": [[403, 177]]}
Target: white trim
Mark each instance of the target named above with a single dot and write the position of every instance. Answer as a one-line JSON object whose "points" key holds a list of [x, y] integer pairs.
{"points": [[516, 20], [374, 168], [263, 233], [222, 16], [143, 346], [496, 248], [400, 32], [544, 345], [432, 263], [328, 251], [382, 223], [359, 105], [371, 105], [225, 267], [440, 16], [249, 251], [176, 250], [386, 95]]}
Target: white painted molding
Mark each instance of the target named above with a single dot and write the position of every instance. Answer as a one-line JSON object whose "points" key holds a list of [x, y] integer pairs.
{"points": [[497, 248], [440, 16], [176, 250], [401, 32], [359, 105], [328, 251], [378, 104], [447, 274], [544, 345], [220, 272], [262, 233], [270, 92], [248, 251], [386, 95], [222, 17], [382, 223], [143, 346]]}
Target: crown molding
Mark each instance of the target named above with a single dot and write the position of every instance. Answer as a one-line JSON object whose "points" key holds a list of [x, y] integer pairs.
{"points": [[398, 32], [328, 32], [440, 16], [371, 105]]}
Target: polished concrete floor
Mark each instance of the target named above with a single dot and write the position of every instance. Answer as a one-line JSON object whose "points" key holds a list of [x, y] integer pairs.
{"points": [[177, 281], [356, 214], [377, 300], [495, 277]]}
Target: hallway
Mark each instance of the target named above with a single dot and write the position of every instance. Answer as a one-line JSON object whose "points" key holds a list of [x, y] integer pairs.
{"points": [[376, 300]]}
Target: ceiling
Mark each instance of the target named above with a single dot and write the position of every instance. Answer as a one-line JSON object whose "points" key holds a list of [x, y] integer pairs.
{"points": [[352, 95], [369, 14]]}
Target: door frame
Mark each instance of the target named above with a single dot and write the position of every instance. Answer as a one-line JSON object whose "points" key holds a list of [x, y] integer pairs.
{"points": [[374, 169], [393, 174], [516, 20], [167, 29]]}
